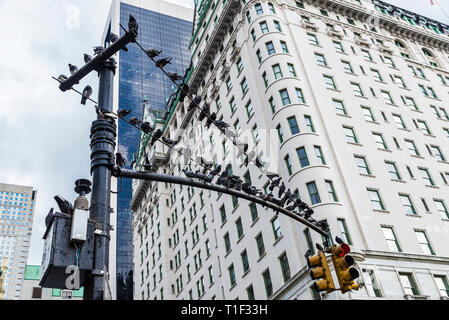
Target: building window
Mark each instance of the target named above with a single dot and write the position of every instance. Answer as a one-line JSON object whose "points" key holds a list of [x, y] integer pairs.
{"points": [[357, 89], [249, 109], [284, 47], [400, 123], [288, 164], [412, 147], [375, 199], [309, 241], [253, 210], [426, 176], [309, 123], [408, 284], [285, 97], [267, 282], [350, 135], [312, 38], [270, 48], [250, 293], [300, 95], [276, 228], [244, 86], [259, 56], [258, 8], [223, 214], [319, 155], [321, 60], [393, 170], [277, 26], [264, 27], [442, 285], [339, 107], [272, 105], [260, 244], [331, 191], [338, 47], [380, 141], [329, 81], [313, 192], [390, 238], [424, 242], [368, 114], [441, 207], [347, 66], [292, 71], [37, 293], [280, 133], [344, 231], [245, 263], [293, 125], [227, 242], [371, 284], [302, 155], [277, 71], [285, 268], [265, 79], [239, 226], [271, 7], [407, 204], [232, 279]]}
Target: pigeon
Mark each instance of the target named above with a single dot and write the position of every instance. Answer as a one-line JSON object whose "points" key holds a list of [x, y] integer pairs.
{"points": [[152, 53], [113, 37], [204, 111], [146, 127], [195, 103], [87, 58], [174, 76], [319, 247], [339, 240], [119, 160], [189, 174], [211, 119], [308, 253], [163, 62], [62, 78], [87, 92], [134, 121], [123, 112], [48, 218], [281, 190], [64, 205], [273, 184], [132, 23], [301, 205], [221, 124], [272, 176], [98, 50], [308, 213], [170, 142], [73, 69], [156, 136], [184, 92], [103, 113], [216, 170]]}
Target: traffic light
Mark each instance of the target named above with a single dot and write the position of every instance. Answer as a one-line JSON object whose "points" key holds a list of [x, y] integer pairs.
{"points": [[319, 270], [342, 263]]}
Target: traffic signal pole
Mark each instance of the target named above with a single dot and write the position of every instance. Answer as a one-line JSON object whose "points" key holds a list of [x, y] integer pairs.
{"points": [[103, 136]]}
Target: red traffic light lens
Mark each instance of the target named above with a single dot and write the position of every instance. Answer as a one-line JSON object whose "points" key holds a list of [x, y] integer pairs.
{"points": [[345, 249]]}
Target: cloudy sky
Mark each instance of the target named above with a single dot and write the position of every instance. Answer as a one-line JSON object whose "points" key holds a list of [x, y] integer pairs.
{"points": [[44, 133]]}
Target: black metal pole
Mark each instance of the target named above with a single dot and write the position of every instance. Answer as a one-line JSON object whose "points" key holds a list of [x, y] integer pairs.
{"points": [[103, 136], [126, 173]]}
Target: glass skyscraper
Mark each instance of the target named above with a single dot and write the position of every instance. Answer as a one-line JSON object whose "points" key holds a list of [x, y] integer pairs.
{"points": [[139, 79]]}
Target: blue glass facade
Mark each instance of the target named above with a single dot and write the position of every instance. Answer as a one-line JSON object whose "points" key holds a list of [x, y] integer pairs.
{"points": [[139, 78]]}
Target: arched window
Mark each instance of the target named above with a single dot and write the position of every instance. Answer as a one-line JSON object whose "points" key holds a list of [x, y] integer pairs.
{"points": [[427, 52], [399, 44]]}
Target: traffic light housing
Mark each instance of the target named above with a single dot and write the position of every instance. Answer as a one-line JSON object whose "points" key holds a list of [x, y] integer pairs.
{"points": [[346, 274], [319, 271]]}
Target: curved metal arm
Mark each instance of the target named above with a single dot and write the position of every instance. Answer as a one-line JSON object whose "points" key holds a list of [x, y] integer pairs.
{"points": [[126, 173]]}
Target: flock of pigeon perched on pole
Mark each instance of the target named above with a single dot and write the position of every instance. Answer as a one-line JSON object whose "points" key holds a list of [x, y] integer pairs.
{"points": [[284, 199]]}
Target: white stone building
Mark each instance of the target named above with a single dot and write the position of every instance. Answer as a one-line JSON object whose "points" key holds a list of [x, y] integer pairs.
{"points": [[355, 93]]}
